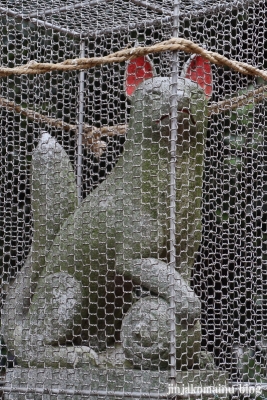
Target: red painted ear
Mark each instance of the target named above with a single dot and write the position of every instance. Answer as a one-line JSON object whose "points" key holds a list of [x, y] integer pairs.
{"points": [[199, 70], [138, 70]]}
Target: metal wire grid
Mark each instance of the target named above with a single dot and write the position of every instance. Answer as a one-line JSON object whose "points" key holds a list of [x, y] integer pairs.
{"points": [[229, 274], [108, 16]]}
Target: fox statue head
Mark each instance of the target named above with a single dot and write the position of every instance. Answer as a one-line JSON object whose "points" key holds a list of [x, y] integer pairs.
{"points": [[150, 97]]}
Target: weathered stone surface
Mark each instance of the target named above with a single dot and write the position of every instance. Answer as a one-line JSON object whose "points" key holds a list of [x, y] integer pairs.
{"points": [[113, 357], [54, 193], [53, 199], [121, 228], [153, 275], [144, 333], [80, 383], [145, 336], [54, 319]]}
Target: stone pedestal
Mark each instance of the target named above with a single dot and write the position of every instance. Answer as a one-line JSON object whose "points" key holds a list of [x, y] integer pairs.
{"points": [[76, 384]]}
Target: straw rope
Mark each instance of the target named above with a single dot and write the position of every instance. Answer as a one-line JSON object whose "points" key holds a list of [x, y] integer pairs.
{"points": [[173, 44], [92, 135]]}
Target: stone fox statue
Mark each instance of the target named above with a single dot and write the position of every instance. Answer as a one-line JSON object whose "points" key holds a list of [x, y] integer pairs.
{"points": [[122, 227]]}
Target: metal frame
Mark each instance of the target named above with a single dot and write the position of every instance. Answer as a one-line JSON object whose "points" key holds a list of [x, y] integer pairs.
{"points": [[92, 393], [164, 16], [172, 216]]}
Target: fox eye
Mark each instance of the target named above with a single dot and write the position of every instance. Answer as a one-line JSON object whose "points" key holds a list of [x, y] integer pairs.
{"points": [[157, 93], [154, 92]]}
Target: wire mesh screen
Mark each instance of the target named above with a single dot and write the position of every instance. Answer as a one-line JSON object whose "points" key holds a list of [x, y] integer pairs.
{"points": [[132, 202]]}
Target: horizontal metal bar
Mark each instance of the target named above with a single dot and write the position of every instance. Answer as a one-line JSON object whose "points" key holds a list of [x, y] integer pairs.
{"points": [[105, 393], [73, 392], [41, 390]]}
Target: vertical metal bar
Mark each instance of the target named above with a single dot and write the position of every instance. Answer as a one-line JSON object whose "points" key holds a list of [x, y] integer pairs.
{"points": [[172, 265], [80, 128]]}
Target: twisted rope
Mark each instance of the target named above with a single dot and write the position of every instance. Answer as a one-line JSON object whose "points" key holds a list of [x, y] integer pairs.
{"points": [[173, 44], [92, 135]]}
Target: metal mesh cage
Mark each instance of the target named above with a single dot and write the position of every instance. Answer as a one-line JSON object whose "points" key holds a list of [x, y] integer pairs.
{"points": [[132, 213]]}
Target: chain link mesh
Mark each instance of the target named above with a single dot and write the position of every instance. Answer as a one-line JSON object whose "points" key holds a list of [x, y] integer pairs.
{"points": [[87, 300]]}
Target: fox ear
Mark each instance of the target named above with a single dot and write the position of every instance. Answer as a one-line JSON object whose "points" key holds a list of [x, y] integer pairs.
{"points": [[198, 69], [137, 70]]}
